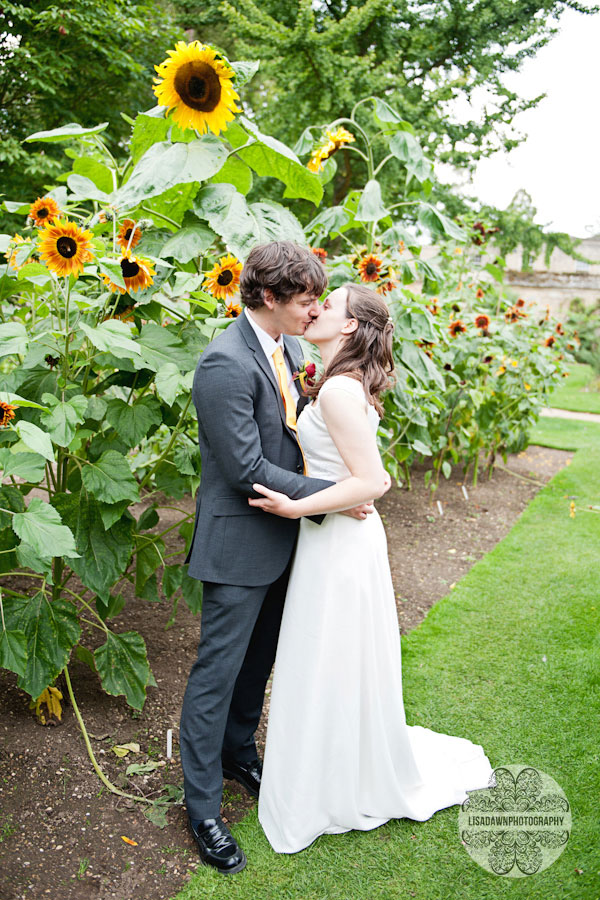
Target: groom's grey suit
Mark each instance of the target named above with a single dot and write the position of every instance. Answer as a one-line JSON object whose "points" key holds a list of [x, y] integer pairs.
{"points": [[242, 554]]}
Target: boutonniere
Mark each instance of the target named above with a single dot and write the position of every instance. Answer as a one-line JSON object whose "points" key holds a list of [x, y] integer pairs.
{"points": [[305, 375]]}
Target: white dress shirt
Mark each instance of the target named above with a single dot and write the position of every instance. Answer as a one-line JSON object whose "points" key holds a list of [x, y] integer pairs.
{"points": [[269, 346]]}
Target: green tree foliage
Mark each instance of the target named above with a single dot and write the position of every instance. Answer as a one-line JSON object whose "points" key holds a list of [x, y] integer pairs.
{"points": [[83, 61]]}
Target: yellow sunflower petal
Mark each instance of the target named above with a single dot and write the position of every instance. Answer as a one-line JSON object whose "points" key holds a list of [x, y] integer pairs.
{"points": [[196, 86], [65, 247], [223, 279]]}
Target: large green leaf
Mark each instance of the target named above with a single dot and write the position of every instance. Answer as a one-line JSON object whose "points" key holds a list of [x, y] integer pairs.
{"points": [[420, 364], [149, 127], [11, 498], [406, 147], [241, 225], [235, 172], [51, 630], [370, 206], [227, 213], [36, 439], [66, 132], [104, 552], [387, 116], [13, 651], [110, 479], [41, 527], [84, 188], [17, 400], [244, 70], [270, 157], [28, 466], [96, 171], [149, 556], [133, 420], [189, 242], [158, 346], [13, 338], [438, 224], [170, 382], [165, 165], [113, 336], [330, 220], [191, 589], [123, 667], [62, 419]]}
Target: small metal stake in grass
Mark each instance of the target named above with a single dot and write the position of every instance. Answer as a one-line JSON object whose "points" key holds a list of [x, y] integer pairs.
{"points": [[169, 743], [440, 507], [464, 490]]}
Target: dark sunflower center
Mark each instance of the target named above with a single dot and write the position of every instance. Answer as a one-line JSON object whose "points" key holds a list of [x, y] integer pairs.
{"points": [[129, 268], [128, 234], [66, 246], [225, 278], [198, 85], [42, 213], [371, 268]]}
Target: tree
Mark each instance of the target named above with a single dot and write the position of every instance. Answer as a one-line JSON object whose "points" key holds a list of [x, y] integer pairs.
{"points": [[84, 61]]}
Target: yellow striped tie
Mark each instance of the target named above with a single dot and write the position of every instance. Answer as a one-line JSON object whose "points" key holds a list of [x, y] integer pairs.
{"points": [[288, 400]]}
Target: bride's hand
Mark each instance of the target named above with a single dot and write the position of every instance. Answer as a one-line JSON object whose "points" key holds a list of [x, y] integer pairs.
{"points": [[274, 502]]}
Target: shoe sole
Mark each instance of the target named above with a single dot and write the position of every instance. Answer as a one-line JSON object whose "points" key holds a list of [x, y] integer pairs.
{"points": [[234, 777], [241, 865]]}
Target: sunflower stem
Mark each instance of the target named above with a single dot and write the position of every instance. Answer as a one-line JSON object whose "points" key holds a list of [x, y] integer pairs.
{"points": [[111, 787], [160, 216]]}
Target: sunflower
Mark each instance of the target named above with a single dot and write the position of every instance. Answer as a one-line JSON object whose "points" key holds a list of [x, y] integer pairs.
{"points": [[456, 327], [520, 302], [137, 274], [44, 210], [549, 341], [7, 412], [197, 84], [370, 267], [322, 254], [223, 279], [401, 246], [559, 329], [17, 244], [124, 235], [500, 370], [232, 310], [434, 308], [333, 141], [482, 321], [65, 247], [479, 294]]}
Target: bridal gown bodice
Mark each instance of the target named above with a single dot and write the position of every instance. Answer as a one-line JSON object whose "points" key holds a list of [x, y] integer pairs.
{"points": [[322, 456], [339, 754]]}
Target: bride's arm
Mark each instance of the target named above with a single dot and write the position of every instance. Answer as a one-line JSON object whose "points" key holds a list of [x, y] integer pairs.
{"points": [[347, 422]]}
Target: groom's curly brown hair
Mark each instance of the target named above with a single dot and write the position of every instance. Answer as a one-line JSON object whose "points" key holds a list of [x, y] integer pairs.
{"points": [[285, 268]]}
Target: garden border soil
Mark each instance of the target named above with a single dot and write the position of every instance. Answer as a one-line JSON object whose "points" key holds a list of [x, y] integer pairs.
{"points": [[62, 834]]}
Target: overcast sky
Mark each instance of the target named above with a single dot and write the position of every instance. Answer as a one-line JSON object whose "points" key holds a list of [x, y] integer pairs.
{"points": [[559, 163]]}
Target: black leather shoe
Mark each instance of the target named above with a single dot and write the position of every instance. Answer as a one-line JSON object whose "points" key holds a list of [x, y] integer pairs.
{"points": [[217, 846], [248, 774]]}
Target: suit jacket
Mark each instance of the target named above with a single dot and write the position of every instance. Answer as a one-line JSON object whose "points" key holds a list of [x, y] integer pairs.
{"points": [[243, 439]]}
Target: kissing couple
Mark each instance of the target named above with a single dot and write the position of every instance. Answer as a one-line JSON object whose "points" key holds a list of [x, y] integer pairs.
{"points": [[293, 557]]}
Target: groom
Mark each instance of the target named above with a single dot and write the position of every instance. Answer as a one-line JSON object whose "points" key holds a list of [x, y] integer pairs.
{"points": [[245, 398]]}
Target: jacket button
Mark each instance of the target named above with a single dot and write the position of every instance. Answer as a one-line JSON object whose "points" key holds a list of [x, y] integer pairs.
{"points": [[300, 468]]}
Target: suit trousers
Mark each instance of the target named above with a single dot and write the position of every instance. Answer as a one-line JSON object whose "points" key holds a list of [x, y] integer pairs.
{"points": [[223, 700]]}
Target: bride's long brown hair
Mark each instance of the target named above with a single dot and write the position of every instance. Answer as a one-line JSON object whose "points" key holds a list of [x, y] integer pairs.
{"points": [[365, 354]]}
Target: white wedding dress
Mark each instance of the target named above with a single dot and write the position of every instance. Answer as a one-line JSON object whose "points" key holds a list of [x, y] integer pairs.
{"points": [[339, 754]]}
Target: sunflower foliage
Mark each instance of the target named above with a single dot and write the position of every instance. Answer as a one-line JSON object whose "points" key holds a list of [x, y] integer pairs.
{"points": [[117, 280], [473, 365]]}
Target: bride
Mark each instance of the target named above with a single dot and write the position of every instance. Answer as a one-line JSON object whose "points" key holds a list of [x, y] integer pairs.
{"points": [[339, 754]]}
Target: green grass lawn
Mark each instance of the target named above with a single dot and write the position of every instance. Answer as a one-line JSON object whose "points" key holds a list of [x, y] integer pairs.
{"points": [[565, 434], [475, 667], [579, 392]]}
